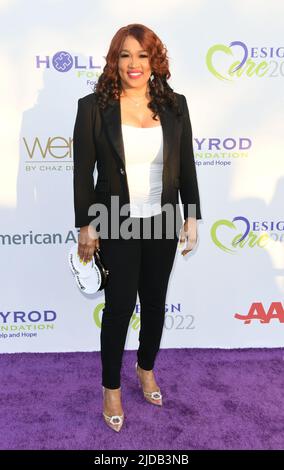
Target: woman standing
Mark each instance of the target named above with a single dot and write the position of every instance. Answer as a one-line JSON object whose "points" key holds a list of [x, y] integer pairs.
{"points": [[138, 131]]}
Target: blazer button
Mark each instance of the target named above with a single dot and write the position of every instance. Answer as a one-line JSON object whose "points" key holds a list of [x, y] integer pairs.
{"points": [[122, 171]]}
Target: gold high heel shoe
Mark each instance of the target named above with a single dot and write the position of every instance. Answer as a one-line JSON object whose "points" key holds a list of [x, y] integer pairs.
{"points": [[115, 422], [152, 397]]}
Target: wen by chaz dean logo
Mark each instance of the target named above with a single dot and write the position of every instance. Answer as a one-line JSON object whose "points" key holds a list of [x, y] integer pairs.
{"points": [[258, 312]]}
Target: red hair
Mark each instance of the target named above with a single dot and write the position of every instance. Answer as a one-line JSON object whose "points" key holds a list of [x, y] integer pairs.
{"points": [[109, 85]]}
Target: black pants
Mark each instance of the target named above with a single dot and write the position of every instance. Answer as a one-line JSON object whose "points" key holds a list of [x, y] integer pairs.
{"points": [[136, 265]]}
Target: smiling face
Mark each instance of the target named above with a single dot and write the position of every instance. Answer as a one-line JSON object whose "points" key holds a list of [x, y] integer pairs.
{"points": [[133, 58]]}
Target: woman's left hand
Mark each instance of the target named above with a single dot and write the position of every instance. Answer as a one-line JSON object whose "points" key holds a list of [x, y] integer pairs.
{"points": [[189, 234]]}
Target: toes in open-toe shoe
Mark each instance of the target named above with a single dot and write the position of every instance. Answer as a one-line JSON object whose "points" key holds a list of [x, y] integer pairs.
{"points": [[152, 397]]}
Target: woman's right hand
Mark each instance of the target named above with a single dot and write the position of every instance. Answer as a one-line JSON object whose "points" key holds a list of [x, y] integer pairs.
{"points": [[88, 242]]}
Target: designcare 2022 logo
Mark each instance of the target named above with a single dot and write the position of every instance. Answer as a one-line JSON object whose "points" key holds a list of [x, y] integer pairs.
{"points": [[175, 317], [232, 235], [248, 61]]}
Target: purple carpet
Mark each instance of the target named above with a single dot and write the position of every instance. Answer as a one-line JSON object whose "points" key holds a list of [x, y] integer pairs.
{"points": [[213, 399]]}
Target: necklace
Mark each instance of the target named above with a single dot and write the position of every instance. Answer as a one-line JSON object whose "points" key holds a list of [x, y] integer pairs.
{"points": [[136, 104]]}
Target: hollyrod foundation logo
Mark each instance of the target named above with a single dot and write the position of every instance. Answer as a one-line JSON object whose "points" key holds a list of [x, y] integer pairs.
{"points": [[63, 62], [215, 151], [22, 324], [240, 233], [245, 61]]}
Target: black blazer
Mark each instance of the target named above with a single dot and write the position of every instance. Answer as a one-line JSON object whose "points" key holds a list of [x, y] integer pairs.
{"points": [[97, 138]]}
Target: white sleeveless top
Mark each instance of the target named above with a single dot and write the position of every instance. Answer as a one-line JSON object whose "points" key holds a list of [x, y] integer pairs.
{"points": [[143, 148]]}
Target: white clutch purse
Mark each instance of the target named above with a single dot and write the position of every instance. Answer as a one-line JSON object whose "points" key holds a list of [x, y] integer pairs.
{"points": [[90, 276]]}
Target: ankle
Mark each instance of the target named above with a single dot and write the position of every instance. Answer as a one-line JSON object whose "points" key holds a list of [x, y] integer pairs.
{"points": [[113, 390], [144, 371]]}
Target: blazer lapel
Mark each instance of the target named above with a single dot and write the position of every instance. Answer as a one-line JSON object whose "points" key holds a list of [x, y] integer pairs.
{"points": [[112, 119]]}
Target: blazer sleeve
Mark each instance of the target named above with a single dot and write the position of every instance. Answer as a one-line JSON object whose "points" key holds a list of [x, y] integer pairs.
{"points": [[84, 159], [189, 192]]}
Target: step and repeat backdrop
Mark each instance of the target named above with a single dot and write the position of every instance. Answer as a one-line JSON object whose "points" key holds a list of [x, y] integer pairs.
{"points": [[227, 58]]}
